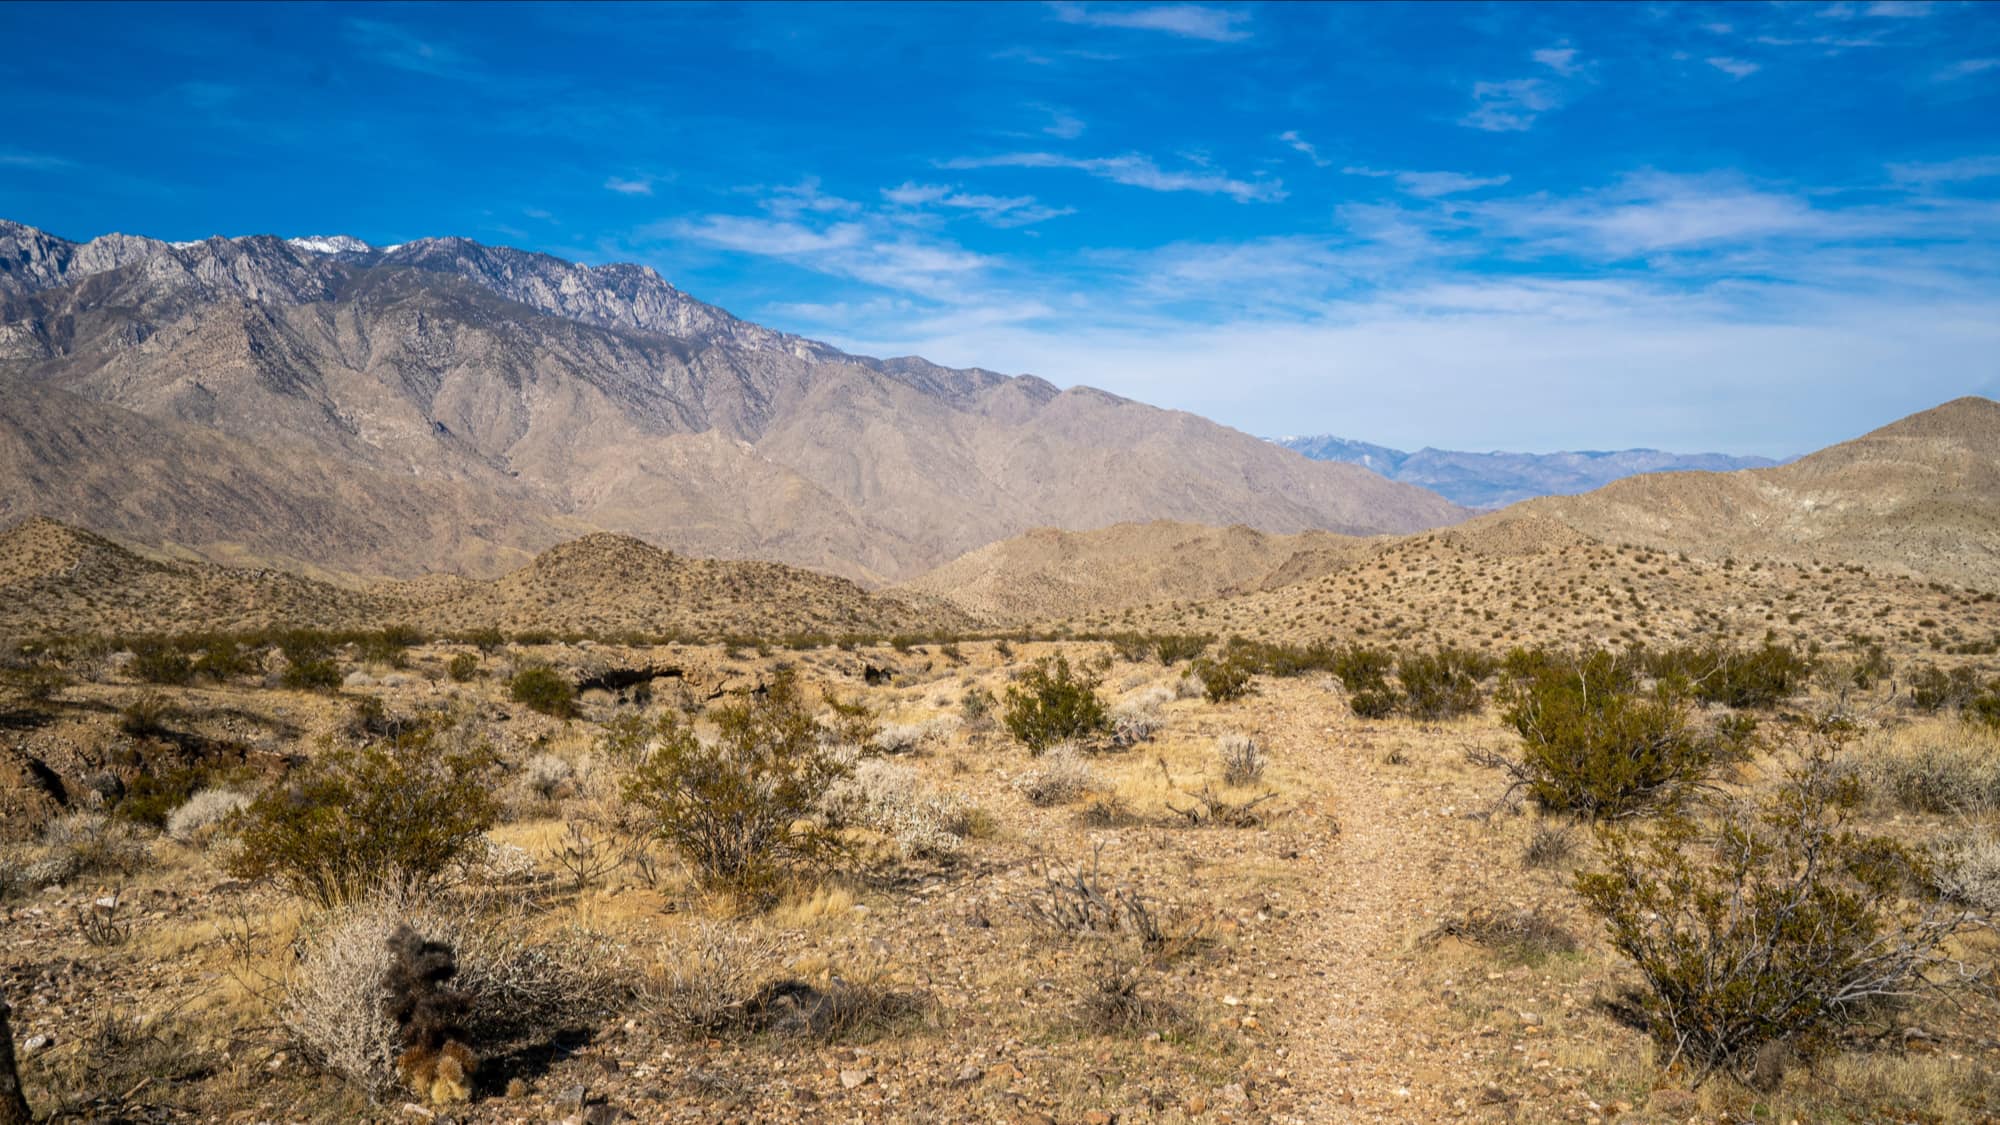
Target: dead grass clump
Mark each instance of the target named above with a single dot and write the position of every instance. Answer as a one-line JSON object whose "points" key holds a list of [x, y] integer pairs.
{"points": [[1118, 994], [119, 1054], [1525, 934], [1942, 766], [1551, 845], [912, 738], [1106, 810], [894, 800], [203, 815], [705, 977], [1136, 720], [1242, 759], [849, 1009], [1059, 778], [1078, 902], [335, 1002], [1965, 867], [86, 845]]}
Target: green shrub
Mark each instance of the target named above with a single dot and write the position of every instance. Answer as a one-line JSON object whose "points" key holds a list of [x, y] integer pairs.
{"points": [[1052, 704], [1363, 669], [1222, 680], [157, 662], [1778, 925], [1174, 648], [1933, 689], [542, 688], [1442, 684], [462, 668], [1761, 677], [1594, 746], [1274, 658], [1374, 703], [309, 662], [390, 646], [224, 658], [740, 810], [403, 812]]}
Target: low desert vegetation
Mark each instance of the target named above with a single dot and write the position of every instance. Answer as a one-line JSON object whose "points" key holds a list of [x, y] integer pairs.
{"points": [[1054, 703]]}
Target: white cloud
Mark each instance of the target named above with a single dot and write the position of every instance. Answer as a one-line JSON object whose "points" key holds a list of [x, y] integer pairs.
{"points": [[642, 185], [1735, 68], [1303, 147], [1947, 171], [1063, 124], [33, 161], [1901, 9], [393, 45], [805, 198], [1562, 60], [1431, 185], [1189, 21], [994, 210], [1510, 106], [1134, 170], [1967, 69]]}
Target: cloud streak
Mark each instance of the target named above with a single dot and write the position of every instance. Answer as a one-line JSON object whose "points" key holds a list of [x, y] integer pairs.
{"points": [[1134, 170], [1187, 21]]}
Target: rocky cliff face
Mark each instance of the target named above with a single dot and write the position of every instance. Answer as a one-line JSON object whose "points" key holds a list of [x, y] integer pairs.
{"points": [[523, 399]]}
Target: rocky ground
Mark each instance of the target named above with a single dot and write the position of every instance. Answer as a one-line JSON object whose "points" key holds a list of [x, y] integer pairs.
{"points": [[1320, 968]]}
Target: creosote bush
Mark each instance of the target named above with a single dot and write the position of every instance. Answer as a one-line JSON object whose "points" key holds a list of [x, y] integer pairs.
{"points": [[405, 811], [740, 810], [462, 668], [1593, 745], [1053, 703], [1442, 684], [1223, 680], [1778, 925], [541, 688]]}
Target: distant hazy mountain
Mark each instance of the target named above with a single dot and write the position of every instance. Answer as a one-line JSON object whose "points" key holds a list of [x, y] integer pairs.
{"points": [[351, 410], [1494, 480]]}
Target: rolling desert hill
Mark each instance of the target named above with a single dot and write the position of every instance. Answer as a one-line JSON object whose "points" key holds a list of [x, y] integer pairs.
{"points": [[1496, 479], [446, 407], [1920, 496], [1049, 574], [57, 580]]}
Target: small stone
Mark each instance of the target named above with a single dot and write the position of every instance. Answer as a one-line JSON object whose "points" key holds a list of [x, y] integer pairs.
{"points": [[36, 1044], [1197, 1105], [1100, 1117], [850, 1079], [1233, 1095], [573, 1096], [1492, 1094], [1669, 1102], [968, 1074], [603, 1115], [412, 1109]]}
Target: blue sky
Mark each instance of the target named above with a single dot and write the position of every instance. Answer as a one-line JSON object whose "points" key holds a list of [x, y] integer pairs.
{"points": [[1745, 227]]}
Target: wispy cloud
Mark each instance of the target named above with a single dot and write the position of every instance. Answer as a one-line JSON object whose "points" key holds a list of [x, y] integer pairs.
{"points": [[1189, 21], [1303, 147], [1734, 68], [1562, 60], [639, 185], [1511, 106], [1063, 124], [994, 210], [1431, 185], [1962, 170], [394, 45], [33, 161], [1967, 68], [1134, 170]]}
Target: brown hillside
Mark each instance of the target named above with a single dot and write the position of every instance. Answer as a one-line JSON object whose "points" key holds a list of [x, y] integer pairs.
{"points": [[1049, 573], [58, 580], [1920, 496], [1526, 580]]}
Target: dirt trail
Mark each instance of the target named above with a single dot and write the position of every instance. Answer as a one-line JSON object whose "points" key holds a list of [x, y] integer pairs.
{"points": [[1357, 1053]]}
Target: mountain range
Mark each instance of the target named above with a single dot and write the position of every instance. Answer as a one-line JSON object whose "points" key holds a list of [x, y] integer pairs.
{"points": [[352, 412], [1495, 480]]}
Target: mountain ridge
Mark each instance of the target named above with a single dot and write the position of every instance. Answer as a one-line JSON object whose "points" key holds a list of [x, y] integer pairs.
{"points": [[1495, 478], [550, 399]]}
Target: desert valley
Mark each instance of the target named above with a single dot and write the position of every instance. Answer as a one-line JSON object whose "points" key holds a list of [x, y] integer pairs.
{"points": [[444, 682]]}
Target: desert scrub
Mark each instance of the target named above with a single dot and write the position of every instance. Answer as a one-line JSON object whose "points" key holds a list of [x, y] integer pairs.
{"points": [[1774, 924], [1443, 684], [1053, 703], [335, 1001], [740, 810], [1965, 867], [1174, 648], [892, 799], [541, 688], [1241, 758], [405, 811], [1939, 766], [158, 662], [1222, 680], [1060, 777], [462, 668], [87, 845], [1593, 746], [1137, 720], [204, 814]]}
